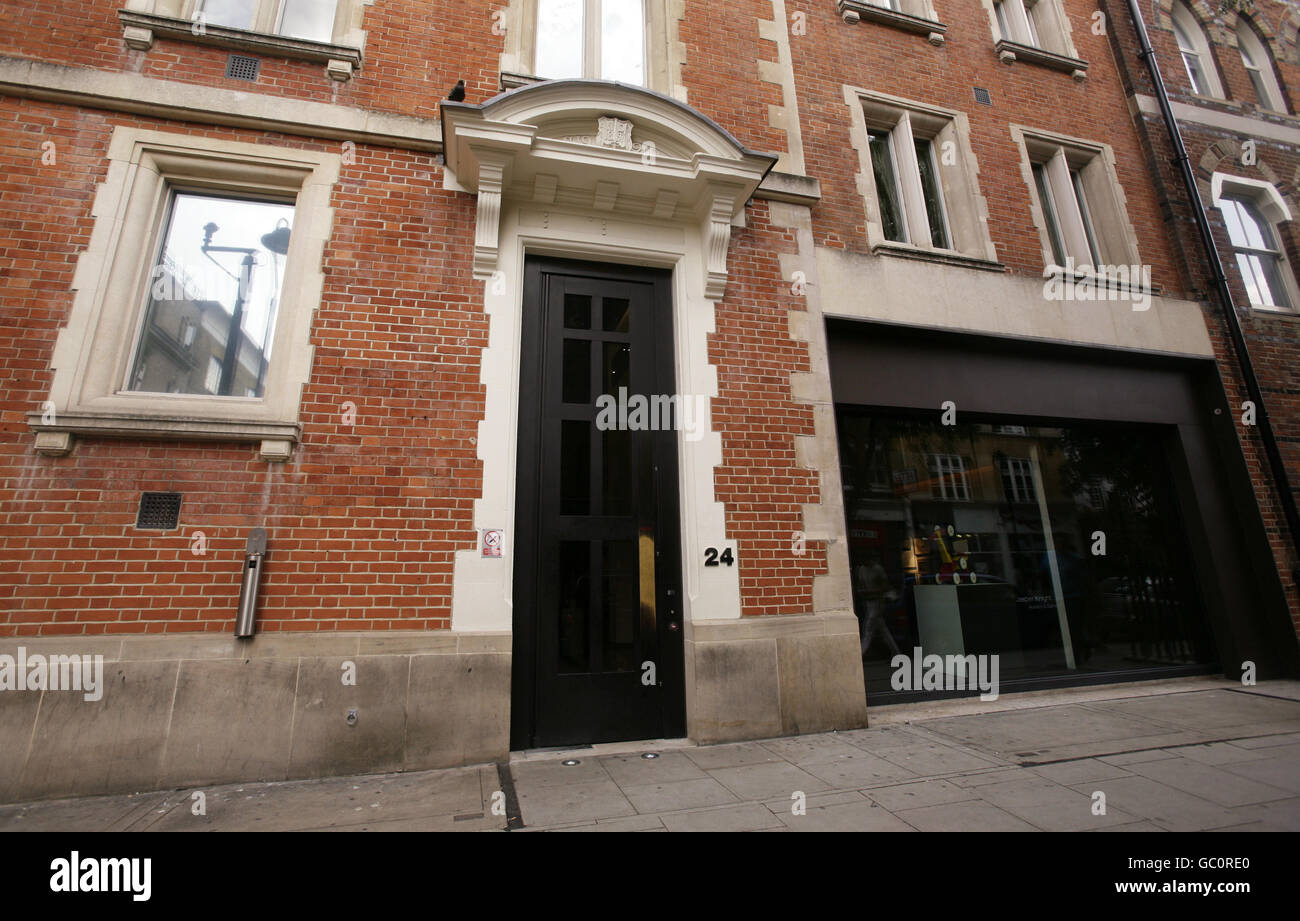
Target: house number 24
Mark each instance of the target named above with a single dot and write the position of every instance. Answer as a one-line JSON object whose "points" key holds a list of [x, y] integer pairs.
{"points": [[711, 557]]}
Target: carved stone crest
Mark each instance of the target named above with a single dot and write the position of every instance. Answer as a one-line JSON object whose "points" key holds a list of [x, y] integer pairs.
{"points": [[615, 133]]}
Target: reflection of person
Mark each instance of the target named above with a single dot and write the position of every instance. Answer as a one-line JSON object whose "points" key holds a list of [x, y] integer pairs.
{"points": [[873, 586]]}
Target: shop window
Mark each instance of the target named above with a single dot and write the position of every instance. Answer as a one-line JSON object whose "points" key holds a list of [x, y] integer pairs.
{"points": [[973, 561], [1078, 204], [1195, 51], [207, 268], [596, 39], [1259, 67], [921, 179], [1252, 212]]}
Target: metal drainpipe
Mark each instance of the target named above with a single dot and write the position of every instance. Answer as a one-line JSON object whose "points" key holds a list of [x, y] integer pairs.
{"points": [[1242, 351]]}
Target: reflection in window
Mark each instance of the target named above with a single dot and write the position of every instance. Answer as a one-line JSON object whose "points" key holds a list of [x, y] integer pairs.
{"points": [[962, 555], [1195, 52], [213, 298], [596, 39], [310, 19], [1259, 67], [1259, 257], [236, 14]]}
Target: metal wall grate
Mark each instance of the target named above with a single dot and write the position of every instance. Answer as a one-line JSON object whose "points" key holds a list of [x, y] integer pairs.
{"points": [[983, 97], [159, 511], [242, 67]]}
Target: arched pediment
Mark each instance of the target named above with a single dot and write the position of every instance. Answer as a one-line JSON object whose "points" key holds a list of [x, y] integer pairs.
{"points": [[600, 146]]}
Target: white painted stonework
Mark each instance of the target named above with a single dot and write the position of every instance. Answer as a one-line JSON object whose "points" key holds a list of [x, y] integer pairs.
{"points": [[554, 189]]}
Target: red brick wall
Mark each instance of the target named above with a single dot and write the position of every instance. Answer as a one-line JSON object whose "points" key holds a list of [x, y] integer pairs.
{"points": [[415, 52], [759, 481], [363, 522]]}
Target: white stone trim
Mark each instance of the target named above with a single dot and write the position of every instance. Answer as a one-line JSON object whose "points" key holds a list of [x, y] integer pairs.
{"points": [[209, 105], [1265, 194], [966, 207], [112, 276], [1284, 129], [1117, 239]]}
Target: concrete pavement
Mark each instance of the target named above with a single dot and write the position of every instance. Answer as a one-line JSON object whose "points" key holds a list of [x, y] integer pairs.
{"points": [[1191, 754]]}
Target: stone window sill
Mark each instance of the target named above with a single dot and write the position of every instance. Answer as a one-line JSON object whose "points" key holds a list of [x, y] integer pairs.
{"points": [[853, 11], [1010, 52], [1099, 281], [944, 256], [54, 438], [140, 29]]}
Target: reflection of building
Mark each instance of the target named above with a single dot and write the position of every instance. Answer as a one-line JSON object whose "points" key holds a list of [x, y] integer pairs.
{"points": [[184, 344]]}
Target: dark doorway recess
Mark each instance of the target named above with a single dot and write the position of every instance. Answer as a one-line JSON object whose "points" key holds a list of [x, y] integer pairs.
{"points": [[597, 581]]}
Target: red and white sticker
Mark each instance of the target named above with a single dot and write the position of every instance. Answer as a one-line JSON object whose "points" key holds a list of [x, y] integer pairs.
{"points": [[493, 541]]}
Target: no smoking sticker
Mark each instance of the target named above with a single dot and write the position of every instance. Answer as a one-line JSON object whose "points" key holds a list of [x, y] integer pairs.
{"points": [[492, 543]]}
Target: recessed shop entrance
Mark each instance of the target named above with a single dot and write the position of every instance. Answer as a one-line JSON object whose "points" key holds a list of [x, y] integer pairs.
{"points": [[1053, 514], [597, 588]]}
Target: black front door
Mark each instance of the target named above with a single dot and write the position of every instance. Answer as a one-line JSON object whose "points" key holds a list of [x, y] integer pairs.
{"points": [[597, 592]]}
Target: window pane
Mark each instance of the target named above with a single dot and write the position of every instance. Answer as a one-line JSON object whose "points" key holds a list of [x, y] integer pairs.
{"points": [[1049, 214], [622, 41], [574, 587], [559, 39], [237, 14], [619, 600], [882, 165], [1082, 200], [311, 19], [214, 305], [933, 197]]}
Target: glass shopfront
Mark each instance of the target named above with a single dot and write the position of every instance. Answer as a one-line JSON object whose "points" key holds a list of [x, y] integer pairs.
{"points": [[1059, 548]]}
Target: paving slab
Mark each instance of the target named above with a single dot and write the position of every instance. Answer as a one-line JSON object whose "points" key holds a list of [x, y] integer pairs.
{"points": [[1050, 806], [1211, 783], [1084, 770], [860, 769], [767, 781], [559, 804], [731, 755], [967, 816], [748, 817], [678, 795], [1171, 809], [861, 816], [919, 793]]}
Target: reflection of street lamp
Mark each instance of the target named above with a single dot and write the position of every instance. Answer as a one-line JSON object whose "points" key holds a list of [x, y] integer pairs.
{"points": [[277, 242]]}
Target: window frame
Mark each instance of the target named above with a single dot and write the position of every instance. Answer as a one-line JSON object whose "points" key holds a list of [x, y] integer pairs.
{"points": [[943, 473], [1062, 157], [342, 53], [1035, 31], [96, 348], [1186, 27], [592, 40], [963, 210], [1263, 77], [1273, 209]]}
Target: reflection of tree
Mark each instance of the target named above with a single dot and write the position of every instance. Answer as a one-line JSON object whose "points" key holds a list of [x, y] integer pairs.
{"points": [[1144, 575]]}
